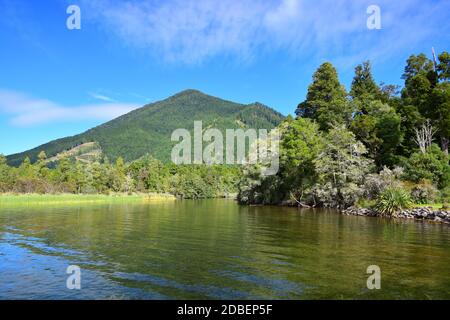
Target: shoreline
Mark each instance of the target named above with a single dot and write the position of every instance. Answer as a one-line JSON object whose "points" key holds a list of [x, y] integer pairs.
{"points": [[419, 214], [64, 198], [429, 214], [425, 213]]}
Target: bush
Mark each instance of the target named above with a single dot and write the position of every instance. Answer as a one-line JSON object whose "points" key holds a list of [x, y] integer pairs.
{"points": [[445, 195], [392, 200], [375, 184], [432, 165], [424, 192]]}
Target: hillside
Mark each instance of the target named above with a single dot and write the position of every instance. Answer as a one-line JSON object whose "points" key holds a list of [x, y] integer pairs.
{"points": [[147, 130]]}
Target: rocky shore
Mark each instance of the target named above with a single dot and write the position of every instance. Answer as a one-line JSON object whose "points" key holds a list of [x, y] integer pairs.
{"points": [[426, 214]]}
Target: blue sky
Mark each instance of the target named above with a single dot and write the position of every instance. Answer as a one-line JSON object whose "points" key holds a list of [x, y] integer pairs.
{"points": [[56, 82]]}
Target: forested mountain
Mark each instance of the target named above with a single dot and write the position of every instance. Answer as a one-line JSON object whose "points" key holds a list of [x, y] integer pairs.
{"points": [[148, 130]]}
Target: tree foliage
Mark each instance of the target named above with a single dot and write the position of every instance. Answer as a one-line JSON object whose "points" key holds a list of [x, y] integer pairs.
{"points": [[326, 101], [328, 151]]}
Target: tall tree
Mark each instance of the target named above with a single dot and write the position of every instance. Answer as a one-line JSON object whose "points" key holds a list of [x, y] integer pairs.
{"points": [[326, 101], [440, 113], [363, 84], [376, 124], [427, 89], [4, 174], [41, 165], [443, 68], [418, 65], [341, 169]]}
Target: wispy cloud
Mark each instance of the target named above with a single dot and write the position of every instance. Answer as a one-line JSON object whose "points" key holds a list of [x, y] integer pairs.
{"points": [[101, 97], [23, 110], [190, 31]]}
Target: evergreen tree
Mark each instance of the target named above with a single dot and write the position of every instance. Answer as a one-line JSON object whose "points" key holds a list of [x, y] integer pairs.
{"points": [[363, 84], [326, 101], [41, 165], [376, 124], [440, 113], [5, 177], [443, 68]]}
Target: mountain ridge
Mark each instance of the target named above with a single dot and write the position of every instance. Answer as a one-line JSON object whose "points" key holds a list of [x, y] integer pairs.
{"points": [[147, 130]]}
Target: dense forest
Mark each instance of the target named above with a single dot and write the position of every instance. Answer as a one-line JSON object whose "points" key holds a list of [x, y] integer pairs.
{"points": [[148, 130], [103, 177], [375, 144]]}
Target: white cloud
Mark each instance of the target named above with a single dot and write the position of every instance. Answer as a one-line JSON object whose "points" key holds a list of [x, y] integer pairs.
{"points": [[191, 31], [22, 110], [101, 97]]}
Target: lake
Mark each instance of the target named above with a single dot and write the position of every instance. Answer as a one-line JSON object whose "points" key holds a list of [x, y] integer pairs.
{"points": [[216, 249]]}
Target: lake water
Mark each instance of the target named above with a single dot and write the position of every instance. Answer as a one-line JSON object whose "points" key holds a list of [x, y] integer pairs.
{"points": [[215, 249]]}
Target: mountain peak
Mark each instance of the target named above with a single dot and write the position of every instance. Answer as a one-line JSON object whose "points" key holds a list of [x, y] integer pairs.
{"points": [[148, 130], [188, 92]]}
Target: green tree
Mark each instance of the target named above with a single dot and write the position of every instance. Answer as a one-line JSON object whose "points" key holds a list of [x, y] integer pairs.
{"points": [[443, 68], [341, 169], [5, 175], [376, 124], [363, 84], [118, 175], [440, 113], [411, 119], [26, 169], [41, 165], [326, 101], [432, 165], [301, 144]]}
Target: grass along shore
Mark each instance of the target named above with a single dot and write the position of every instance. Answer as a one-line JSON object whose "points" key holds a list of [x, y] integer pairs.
{"points": [[45, 199]]}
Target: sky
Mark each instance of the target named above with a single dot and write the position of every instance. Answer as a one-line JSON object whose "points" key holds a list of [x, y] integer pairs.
{"points": [[56, 81]]}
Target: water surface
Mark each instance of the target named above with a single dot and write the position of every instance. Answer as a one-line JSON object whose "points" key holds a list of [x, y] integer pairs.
{"points": [[215, 249]]}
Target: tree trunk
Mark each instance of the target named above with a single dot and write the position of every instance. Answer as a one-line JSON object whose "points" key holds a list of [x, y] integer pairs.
{"points": [[444, 144]]}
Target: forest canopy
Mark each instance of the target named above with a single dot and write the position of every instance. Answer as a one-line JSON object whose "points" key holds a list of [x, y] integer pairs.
{"points": [[343, 148]]}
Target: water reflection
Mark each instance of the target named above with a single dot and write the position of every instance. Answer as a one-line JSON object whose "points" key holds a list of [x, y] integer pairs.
{"points": [[219, 250]]}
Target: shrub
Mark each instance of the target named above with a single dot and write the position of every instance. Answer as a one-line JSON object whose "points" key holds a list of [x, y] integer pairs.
{"points": [[445, 195], [432, 165], [392, 200], [375, 184], [424, 192]]}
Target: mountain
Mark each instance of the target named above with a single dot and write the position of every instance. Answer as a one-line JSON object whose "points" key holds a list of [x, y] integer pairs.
{"points": [[148, 130]]}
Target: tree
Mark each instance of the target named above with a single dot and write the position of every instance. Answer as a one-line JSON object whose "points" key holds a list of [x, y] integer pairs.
{"points": [[411, 119], [416, 65], [420, 79], [363, 84], [424, 136], [443, 68], [301, 144], [440, 112], [41, 165], [118, 175], [26, 169], [326, 101], [341, 169], [432, 165], [376, 124], [5, 175]]}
